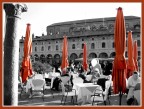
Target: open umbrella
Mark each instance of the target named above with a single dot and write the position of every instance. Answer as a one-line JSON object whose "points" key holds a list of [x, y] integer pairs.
{"points": [[119, 65], [130, 61], [135, 55], [64, 63], [85, 65], [26, 69]]}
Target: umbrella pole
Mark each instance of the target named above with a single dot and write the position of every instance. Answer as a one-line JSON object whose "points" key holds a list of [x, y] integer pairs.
{"points": [[120, 91], [120, 96]]}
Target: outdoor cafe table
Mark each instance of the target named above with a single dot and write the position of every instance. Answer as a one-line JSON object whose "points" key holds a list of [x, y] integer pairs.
{"points": [[85, 90], [28, 85]]}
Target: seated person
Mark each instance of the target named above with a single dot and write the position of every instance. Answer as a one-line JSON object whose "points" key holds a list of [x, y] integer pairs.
{"points": [[49, 76], [132, 85], [57, 81], [95, 75]]}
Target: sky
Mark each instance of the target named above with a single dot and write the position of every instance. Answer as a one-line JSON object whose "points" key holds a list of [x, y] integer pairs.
{"points": [[40, 15]]}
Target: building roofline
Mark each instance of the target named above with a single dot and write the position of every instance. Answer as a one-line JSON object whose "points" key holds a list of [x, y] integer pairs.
{"points": [[91, 20]]}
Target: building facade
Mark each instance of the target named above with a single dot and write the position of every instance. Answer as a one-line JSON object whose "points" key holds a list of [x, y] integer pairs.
{"points": [[98, 34]]}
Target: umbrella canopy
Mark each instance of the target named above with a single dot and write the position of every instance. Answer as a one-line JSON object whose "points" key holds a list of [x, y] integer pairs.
{"points": [[64, 63], [135, 55], [85, 64], [130, 61], [26, 69], [119, 65]]}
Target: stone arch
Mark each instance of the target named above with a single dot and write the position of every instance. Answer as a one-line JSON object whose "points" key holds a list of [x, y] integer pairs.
{"points": [[112, 55], [42, 58], [49, 59], [36, 57], [92, 55], [103, 55], [73, 56], [56, 59], [81, 55]]}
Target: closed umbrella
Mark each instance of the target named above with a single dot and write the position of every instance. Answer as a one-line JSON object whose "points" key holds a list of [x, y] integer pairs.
{"points": [[135, 55], [64, 63], [85, 64], [26, 70], [119, 65], [130, 61]]}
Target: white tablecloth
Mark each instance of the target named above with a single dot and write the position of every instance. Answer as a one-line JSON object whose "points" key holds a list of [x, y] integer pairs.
{"points": [[84, 90]]}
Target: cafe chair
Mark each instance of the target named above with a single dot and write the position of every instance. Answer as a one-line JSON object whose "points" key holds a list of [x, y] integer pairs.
{"points": [[66, 81], [68, 93], [100, 95], [22, 87], [38, 85]]}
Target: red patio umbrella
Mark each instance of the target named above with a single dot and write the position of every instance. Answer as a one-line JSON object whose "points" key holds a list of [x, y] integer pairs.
{"points": [[26, 69], [119, 66], [64, 63], [130, 61], [85, 64], [135, 55]]}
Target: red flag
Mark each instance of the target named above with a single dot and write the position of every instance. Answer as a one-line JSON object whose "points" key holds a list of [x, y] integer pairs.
{"points": [[26, 69], [85, 65], [64, 63]]}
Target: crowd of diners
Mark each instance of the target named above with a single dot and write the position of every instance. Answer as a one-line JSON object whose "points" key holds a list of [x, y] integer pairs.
{"points": [[101, 72]]}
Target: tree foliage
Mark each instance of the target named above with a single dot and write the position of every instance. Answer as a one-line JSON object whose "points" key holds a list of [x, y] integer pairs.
{"points": [[41, 67]]}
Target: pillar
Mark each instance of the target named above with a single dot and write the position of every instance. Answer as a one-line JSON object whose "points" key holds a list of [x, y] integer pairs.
{"points": [[11, 52]]}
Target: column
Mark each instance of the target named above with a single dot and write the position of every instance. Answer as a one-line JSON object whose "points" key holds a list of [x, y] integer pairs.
{"points": [[11, 52]]}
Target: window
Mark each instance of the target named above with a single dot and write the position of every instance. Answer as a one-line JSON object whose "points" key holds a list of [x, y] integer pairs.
{"points": [[35, 43], [82, 39], [51, 32], [126, 43], [56, 47], [82, 46], [126, 54], [139, 53], [73, 40], [138, 43], [103, 38], [92, 46], [103, 45], [92, 39], [57, 32], [138, 35], [113, 45], [73, 46], [56, 41], [127, 25], [42, 48], [49, 47], [35, 49]]}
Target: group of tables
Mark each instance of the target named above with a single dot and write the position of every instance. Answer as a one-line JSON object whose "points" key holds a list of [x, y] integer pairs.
{"points": [[83, 90]]}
